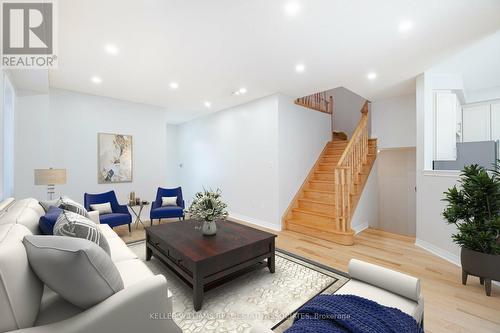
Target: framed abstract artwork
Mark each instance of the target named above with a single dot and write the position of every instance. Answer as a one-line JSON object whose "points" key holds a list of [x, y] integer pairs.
{"points": [[114, 158]]}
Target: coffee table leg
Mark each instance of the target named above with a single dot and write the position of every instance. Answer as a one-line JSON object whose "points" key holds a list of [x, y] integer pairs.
{"points": [[197, 288], [271, 261], [149, 252]]}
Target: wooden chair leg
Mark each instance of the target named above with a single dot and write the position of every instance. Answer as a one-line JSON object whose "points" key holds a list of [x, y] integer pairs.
{"points": [[129, 229], [464, 277], [159, 221], [487, 286]]}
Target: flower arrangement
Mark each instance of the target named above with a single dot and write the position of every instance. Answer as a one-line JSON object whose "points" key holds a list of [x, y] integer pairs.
{"points": [[208, 206]]}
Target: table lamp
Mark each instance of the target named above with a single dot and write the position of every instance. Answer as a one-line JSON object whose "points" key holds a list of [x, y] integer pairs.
{"points": [[51, 178]]}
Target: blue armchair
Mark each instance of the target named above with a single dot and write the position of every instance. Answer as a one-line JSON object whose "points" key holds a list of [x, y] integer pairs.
{"points": [[120, 214], [159, 212]]}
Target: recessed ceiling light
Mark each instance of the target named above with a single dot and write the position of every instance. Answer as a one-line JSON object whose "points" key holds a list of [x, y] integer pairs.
{"points": [[96, 79], [174, 85], [405, 26], [292, 8], [111, 49], [243, 91], [372, 76], [207, 104], [299, 68]]}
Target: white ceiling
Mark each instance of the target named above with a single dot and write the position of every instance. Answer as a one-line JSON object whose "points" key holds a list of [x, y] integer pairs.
{"points": [[212, 48], [479, 65]]}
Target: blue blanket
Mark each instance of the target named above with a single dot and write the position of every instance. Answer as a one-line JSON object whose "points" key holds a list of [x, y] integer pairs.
{"points": [[351, 314]]}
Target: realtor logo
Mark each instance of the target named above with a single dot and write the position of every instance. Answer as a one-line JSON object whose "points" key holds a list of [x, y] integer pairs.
{"points": [[28, 34]]}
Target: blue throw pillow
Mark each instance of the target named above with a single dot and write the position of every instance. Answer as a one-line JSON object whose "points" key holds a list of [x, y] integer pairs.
{"points": [[48, 221]]}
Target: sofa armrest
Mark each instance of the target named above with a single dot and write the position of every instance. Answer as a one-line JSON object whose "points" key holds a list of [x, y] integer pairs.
{"points": [[141, 307], [384, 278], [94, 216]]}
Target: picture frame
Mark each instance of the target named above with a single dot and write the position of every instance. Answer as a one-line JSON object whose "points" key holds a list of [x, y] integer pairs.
{"points": [[114, 158]]}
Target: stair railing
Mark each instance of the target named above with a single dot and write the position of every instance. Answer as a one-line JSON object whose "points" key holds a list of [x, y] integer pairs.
{"points": [[347, 171], [319, 102]]}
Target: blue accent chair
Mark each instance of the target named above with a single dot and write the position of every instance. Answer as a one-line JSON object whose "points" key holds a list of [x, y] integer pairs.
{"points": [[159, 212], [120, 214]]}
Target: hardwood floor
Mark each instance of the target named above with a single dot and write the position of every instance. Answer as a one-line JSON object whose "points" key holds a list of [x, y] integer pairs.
{"points": [[449, 306]]}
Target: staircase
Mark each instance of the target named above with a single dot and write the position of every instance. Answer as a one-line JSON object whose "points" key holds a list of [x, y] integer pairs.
{"points": [[325, 204]]}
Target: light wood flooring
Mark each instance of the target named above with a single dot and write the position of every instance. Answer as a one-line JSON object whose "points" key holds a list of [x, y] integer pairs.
{"points": [[449, 306]]}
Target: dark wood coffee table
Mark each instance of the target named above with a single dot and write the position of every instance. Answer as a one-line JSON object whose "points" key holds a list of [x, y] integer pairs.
{"points": [[204, 262]]}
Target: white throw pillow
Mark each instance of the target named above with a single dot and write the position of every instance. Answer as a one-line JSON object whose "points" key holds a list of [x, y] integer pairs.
{"points": [[168, 201], [104, 208]]}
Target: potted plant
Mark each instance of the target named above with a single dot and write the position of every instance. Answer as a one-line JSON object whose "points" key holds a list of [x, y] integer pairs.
{"points": [[208, 207], [474, 208]]}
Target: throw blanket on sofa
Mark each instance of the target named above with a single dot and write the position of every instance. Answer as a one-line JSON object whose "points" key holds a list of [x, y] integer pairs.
{"points": [[351, 314]]}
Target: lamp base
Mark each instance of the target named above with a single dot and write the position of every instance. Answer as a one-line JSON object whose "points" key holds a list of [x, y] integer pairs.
{"points": [[50, 191]]}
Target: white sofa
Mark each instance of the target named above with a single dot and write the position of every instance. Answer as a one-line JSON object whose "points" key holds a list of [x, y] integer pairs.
{"points": [[26, 305], [382, 285]]}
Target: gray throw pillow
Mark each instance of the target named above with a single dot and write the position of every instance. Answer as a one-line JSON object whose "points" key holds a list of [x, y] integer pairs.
{"points": [[74, 225], [50, 203], [66, 204], [77, 269]]}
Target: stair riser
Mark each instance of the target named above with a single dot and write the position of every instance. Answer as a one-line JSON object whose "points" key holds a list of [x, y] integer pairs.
{"points": [[335, 151], [337, 144], [319, 196], [321, 186], [326, 167], [313, 218], [324, 176], [327, 159], [316, 207]]}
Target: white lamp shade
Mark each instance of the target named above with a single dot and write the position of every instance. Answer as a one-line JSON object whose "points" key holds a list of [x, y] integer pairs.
{"points": [[50, 176]]}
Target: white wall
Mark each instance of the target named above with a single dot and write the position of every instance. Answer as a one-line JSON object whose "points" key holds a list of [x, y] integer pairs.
{"points": [[60, 130], [302, 136], [235, 150], [431, 231], [397, 198], [393, 121], [367, 211], [2, 78], [346, 110], [172, 151]]}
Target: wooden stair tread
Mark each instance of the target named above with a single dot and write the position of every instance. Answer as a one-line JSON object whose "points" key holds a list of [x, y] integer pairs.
{"points": [[324, 171]]}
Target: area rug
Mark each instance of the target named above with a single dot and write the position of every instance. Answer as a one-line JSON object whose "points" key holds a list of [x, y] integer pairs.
{"points": [[258, 298]]}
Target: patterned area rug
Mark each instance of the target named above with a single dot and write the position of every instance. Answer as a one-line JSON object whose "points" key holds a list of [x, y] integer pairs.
{"points": [[256, 298]]}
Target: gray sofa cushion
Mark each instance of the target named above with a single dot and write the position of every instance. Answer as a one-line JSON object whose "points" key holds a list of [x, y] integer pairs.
{"points": [[77, 269], [73, 225], [20, 288]]}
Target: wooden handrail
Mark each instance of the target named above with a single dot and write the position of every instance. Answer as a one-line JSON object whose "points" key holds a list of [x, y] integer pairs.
{"points": [[347, 171], [319, 102]]}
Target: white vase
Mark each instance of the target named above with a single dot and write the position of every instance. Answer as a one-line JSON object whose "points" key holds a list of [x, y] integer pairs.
{"points": [[209, 228]]}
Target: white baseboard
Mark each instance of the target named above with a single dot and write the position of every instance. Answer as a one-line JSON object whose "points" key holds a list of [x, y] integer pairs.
{"points": [[448, 256], [358, 228], [238, 217]]}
